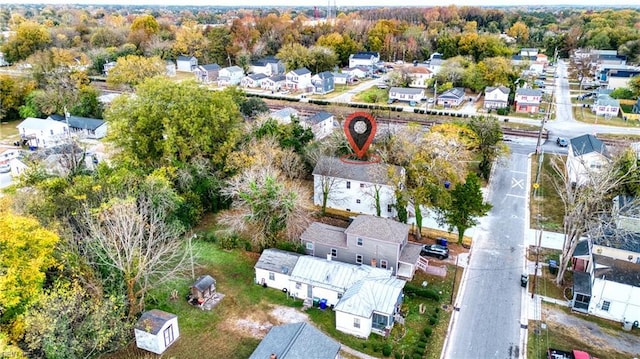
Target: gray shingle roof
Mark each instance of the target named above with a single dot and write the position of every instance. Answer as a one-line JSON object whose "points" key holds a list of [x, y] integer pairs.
{"points": [[152, 321], [456, 92], [79, 122], [319, 117], [277, 78], [324, 74], [606, 100], [210, 67], [586, 144], [302, 71], [234, 69], [276, 260], [377, 173], [369, 295], [204, 282], [617, 270], [384, 229], [528, 92], [327, 234], [185, 58], [295, 341], [581, 282], [256, 77], [406, 90], [502, 89]]}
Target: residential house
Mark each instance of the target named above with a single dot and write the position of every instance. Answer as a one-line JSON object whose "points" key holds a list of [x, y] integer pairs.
{"points": [[606, 106], [527, 100], [587, 154], [83, 127], [274, 267], [496, 97], [342, 78], [43, 133], [420, 76], [358, 72], [620, 78], [274, 83], [529, 51], [107, 67], [367, 59], [284, 115], [207, 73], [295, 341], [328, 279], [230, 76], [354, 186], [269, 66], [323, 83], [156, 330], [375, 241], [451, 98], [518, 60], [321, 124], [253, 80], [299, 79], [604, 286], [18, 166], [435, 62], [370, 306], [406, 94], [170, 68], [187, 63], [537, 67]]}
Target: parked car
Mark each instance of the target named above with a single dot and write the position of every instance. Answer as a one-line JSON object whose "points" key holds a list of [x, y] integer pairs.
{"points": [[562, 142], [5, 168], [435, 250]]}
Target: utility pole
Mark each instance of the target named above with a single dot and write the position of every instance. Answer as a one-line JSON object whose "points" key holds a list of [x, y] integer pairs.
{"points": [[544, 118]]}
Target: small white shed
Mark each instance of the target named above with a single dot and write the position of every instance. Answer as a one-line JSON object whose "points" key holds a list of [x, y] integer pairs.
{"points": [[156, 330]]}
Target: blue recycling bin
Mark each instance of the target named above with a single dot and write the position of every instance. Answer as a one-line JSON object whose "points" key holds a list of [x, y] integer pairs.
{"points": [[441, 241], [323, 304]]}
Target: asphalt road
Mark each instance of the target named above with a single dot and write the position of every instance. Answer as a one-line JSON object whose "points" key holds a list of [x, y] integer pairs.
{"points": [[487, 323]]}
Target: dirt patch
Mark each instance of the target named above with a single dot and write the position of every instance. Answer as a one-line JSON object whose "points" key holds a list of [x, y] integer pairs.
{"points": [[616, 341], [257, 324]]}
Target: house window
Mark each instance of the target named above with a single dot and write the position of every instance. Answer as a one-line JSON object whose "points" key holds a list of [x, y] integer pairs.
{"points": [[272, 276], [356, 322], [298, 285], [168, 336], [359, 241], [384, 264], [310, 246], [334, 252], [348, 184], [359, 258], [361, 185], [389, 207], [605, 305], [357, 201]]}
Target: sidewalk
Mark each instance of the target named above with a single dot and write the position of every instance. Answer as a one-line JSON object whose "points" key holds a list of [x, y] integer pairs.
{"points": [[535, 305]]}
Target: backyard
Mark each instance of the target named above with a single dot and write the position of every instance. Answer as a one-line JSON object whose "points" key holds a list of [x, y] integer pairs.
{"points": [[234, 328], [547, 208]]}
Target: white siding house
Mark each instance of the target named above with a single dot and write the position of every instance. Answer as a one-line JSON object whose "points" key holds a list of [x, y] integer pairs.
{"points": [[364, 58], [229, 76], [606, 106], [156, 330], [420, 76], [299, 79], [352, 186], [369, 306], [187, 63], [406, 94], [274, 268], [587, 154], [83, 127], [496, 97], [43, 133], [322, 124]]}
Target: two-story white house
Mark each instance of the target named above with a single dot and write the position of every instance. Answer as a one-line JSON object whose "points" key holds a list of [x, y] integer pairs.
{"points": [[364, 58], [299, 79], [321, 124], [586, 157], [187, 63], [269, 66], [230, 76], [496, 97], [420, 76], [406, 94], [274, 83], [357, 187], [43, 133], [253, 80], [527, 100], [605, 105]]}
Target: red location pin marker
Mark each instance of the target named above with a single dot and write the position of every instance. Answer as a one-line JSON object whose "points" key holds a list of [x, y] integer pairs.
{"points": [[360, 128]]}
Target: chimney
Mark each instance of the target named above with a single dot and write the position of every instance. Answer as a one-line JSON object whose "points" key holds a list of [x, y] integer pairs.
{"points": [[273, 356], [329, 257]]}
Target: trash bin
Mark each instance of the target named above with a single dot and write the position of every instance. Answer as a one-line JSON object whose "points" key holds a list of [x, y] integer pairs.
{"points": [[441, 241], [553, 266], [316, 302], [323, 304]]}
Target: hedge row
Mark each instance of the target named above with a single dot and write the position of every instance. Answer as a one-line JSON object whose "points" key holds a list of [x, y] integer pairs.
{"points": [[412, 289]]}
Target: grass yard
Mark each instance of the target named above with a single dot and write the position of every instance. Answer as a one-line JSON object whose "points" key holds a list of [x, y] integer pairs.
{"points": [[218, 331], [545, 201], [372, 95], [8, 131], [585, 115]]}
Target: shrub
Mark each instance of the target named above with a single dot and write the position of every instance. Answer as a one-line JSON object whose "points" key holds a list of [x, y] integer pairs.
{"points": [[421, 292], [229, 242], [433, 320], [437, 310], [427, 331], [386, 350], [397, 355]]}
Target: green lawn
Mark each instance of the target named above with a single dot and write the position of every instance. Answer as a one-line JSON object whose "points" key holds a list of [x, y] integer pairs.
{"points": [[373, 95], [585, 115], [8, 131], [216, 332], [546, 201]]}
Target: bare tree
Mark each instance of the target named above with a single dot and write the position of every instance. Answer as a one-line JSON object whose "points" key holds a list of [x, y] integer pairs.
{"points": [[133, 237], [584, 203]]}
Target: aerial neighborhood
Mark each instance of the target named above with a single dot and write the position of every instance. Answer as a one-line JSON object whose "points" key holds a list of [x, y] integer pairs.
{"points": [[319, 182]]}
